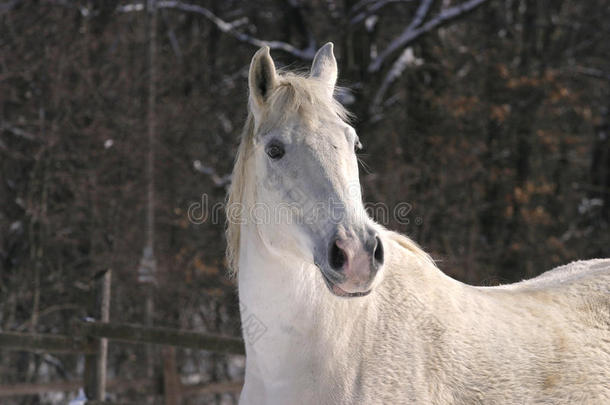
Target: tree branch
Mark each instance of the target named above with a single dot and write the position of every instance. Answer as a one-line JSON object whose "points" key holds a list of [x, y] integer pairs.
{"points": [[228, 27], [405, 60], [592, 72], [415, 30], [219, 180], [420, 14], [18, 132], [370, 8]]}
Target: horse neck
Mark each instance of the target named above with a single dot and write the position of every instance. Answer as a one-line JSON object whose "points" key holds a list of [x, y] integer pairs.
{"points": [[287, 304], [293, 326]]}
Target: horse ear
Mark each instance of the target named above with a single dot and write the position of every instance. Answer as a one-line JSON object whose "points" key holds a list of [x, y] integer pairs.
{"points": [[262, 77], [324, 67]]}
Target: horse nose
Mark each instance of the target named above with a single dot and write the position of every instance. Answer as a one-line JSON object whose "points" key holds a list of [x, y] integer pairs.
{"points": [[337, 256], [347, 252], [377, 251]]}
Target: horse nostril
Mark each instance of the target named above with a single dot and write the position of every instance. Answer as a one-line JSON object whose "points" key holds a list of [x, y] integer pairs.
{"points": [[337, 257], [378, 254]]}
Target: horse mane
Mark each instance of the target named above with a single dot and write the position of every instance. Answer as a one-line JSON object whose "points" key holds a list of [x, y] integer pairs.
{"points": [[295, 94], [408, 244]]}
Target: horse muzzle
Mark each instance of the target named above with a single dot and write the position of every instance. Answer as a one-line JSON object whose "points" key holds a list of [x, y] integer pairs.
{"points": [[352, 263]]}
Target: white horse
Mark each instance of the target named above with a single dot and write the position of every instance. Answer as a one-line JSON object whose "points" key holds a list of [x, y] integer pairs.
{"points": [[338, 310]]}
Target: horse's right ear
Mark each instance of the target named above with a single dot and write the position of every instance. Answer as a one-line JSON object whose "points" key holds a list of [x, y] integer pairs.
{"points": [[262, 78]]}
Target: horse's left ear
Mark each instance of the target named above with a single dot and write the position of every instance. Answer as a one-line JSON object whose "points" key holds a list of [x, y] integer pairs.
{"points": [[324, 67], [262, 79]]}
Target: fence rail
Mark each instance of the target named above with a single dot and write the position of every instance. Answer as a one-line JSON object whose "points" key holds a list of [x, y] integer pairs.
{"points": [[84, 341], [162, 336], [69, 385], [45, 343], [129, 333], [117, 384], [88, 338]]}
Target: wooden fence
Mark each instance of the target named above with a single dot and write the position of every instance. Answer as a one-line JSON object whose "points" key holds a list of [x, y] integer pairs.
{"points": [[90, 339]]}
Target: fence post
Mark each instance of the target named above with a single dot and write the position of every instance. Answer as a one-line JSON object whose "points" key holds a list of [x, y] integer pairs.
{"points": [[95, 364], [172, 386]]}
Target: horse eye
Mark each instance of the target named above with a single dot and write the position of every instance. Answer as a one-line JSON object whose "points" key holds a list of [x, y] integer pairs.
{"points": [[275, 150]]}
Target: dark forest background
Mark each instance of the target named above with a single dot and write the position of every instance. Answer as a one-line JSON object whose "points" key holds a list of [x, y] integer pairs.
{"points": [[489, 118]]}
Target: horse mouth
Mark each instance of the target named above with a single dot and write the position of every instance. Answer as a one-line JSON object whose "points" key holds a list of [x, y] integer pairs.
{"points": [[337, 291]]}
